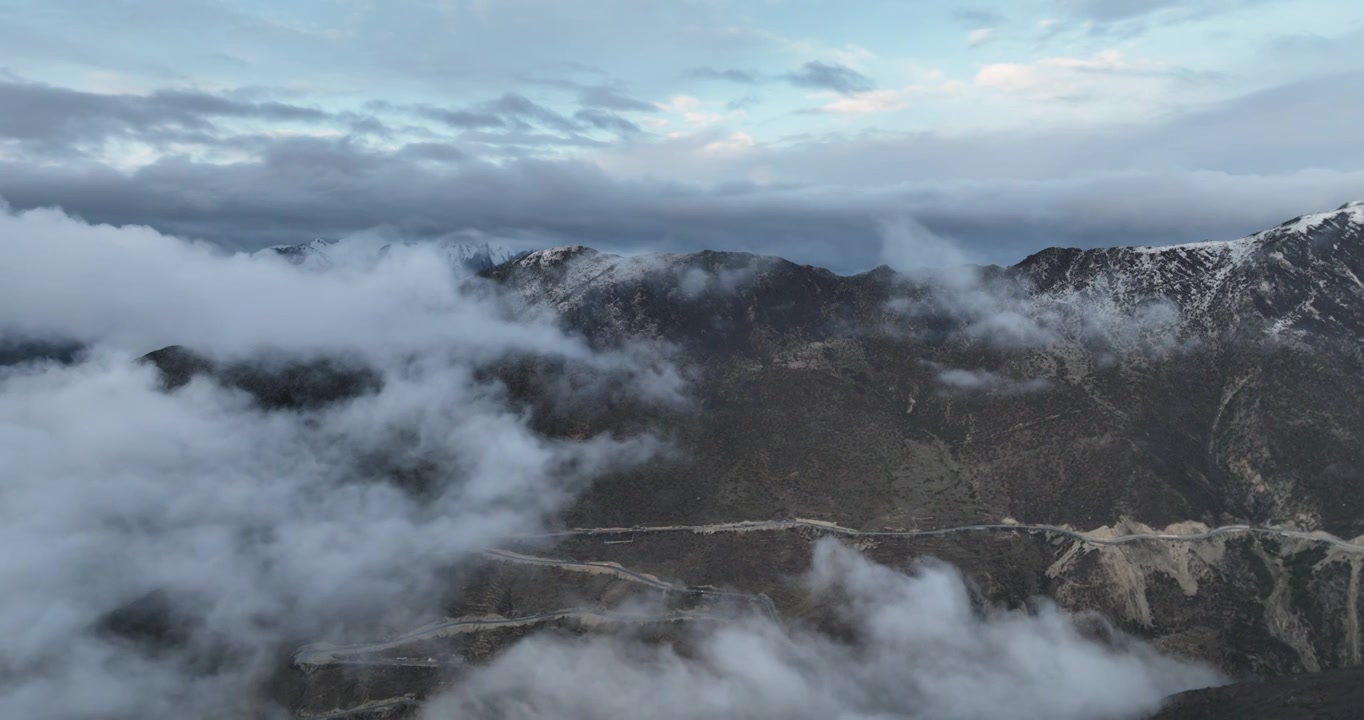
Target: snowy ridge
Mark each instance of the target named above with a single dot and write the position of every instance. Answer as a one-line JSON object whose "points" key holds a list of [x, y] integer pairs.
{"points": [[312, 255], [566, 272], [1302, 274]]}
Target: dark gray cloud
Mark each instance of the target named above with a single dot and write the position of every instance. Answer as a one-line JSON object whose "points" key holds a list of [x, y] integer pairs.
{"points": [[743, 77], [433, 152], [830, 76], [603, 120], [57, 121], [815, 75], [523, 111], [515, 120], [305, 188], [463, 119], [55, 117], [999, 196]]}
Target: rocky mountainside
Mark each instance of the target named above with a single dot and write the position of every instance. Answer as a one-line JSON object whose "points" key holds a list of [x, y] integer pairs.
{"points": [[1302, 275], [1218, 382], [1117, 390]]}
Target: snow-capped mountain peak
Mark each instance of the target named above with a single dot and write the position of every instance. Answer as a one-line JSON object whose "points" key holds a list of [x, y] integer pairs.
{"points": [[1351, 213], [476, 256], [1301, 274], [312, 255]]}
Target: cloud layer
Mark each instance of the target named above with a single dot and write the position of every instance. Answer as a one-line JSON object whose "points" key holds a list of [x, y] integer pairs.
{"points": [[1000, 195], [165, 548], [911, 645]]}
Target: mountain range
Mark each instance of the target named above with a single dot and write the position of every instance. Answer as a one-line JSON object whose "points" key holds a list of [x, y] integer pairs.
{"points": [[1172, 436]]}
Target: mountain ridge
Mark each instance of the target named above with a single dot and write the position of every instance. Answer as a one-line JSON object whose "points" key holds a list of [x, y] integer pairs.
{"points": [[1191, 274], [1251, 341], [324, 254]]}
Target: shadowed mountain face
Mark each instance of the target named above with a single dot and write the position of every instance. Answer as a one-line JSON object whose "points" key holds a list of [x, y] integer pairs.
{"points": [[1334, 695], [274, 383]]}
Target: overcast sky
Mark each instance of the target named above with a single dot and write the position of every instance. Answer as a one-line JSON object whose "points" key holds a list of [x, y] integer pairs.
{"points": [[798, 128]]}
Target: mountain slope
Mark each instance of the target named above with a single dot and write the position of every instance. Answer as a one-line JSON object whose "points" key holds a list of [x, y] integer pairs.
{"points": [[1211, 382], [1303, 275]]}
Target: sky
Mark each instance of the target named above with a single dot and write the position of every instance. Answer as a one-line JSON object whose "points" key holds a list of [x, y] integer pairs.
{"points": [[799, 128]]}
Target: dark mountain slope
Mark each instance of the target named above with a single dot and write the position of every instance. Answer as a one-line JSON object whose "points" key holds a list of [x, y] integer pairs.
{"points": [[1333, 695]]}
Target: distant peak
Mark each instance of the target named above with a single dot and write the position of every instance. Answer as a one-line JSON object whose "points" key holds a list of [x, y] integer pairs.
{"points": [[557, 255], [1351, 205], [324, 253]]}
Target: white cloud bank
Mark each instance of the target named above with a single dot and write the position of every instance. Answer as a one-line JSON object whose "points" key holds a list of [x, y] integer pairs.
{"points": [[237, 530]]}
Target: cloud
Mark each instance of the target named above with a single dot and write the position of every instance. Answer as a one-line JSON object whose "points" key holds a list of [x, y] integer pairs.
{"points": [[947, 296], [732, 143], [907, 245], [830, 76], [1001, 194], [1110, 10], [521, 109], [866, 103], [696, 282], [692, 109], [1062, 76], [464, 119], [977, 17], [901, 644], [988, 381], [58, 119], [1005, 311], [167, 546], [603, 120], [605, 98], [979, 37], [742, 77], [1104, 13], [170, 545]]}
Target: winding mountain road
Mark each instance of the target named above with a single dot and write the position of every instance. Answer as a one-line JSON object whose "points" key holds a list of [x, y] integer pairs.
{"points": [[315, 655], [322, 654], [1356, 545], [369, 708], [625, 573]]}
